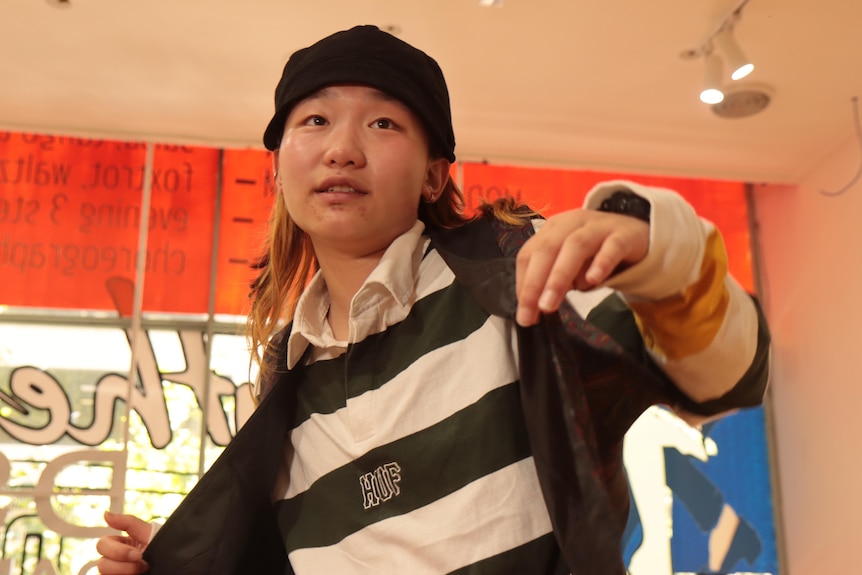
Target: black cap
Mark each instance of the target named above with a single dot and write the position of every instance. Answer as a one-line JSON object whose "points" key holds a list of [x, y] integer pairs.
{"points": [[368, 56]]}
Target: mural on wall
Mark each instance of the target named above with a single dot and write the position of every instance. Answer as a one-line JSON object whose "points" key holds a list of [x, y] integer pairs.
{"points": [[105, 417], [700, 497]]}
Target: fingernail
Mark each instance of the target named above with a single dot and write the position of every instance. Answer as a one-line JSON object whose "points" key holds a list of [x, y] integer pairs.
{"points": [[594, 274], [135, 555], [522, 317], [548, 300]]}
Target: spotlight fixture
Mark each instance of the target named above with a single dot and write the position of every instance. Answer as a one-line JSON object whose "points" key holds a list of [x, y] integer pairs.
{"points": [[720, 46], [740, 65], [712, 91]]}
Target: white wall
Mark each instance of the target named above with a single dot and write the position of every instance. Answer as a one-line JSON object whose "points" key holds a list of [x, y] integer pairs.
{"points": [[811, 247]]}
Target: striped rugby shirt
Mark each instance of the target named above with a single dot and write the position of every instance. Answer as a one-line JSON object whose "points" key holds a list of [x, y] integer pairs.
{"points": [[410, 453]]}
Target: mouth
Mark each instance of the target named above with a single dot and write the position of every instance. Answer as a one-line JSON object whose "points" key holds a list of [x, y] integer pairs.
{"points": [[340, 189]]}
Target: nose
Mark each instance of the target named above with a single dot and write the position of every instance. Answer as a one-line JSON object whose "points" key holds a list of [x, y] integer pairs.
{"points": [[344, 147]]}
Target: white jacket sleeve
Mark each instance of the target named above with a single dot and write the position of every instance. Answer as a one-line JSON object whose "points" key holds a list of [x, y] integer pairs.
{"points": [[698, 323]]}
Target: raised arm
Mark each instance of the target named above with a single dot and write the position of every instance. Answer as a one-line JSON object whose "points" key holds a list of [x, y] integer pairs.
{"points": [[697, 323]]}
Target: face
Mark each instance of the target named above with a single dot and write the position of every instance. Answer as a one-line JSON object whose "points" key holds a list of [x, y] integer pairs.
{"points": [[353, 166]]}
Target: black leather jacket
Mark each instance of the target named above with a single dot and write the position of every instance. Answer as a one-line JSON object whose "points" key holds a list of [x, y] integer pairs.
{"points": [[581, 389]]}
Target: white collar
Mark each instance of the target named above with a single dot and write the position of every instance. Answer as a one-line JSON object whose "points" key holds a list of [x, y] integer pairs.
{"points": [[385, 298]]}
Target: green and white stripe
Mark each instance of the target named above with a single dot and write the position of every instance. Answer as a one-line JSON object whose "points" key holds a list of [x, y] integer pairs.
{"points": [[428, 414]]}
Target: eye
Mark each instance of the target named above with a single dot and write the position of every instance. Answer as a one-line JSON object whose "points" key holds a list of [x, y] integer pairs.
{"points": [[315, 120], [383, 124]]}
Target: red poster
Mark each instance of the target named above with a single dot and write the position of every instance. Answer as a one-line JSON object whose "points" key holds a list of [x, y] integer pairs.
{"points": [[181, 229], [70, 214], [551, 191], [248, 194]]}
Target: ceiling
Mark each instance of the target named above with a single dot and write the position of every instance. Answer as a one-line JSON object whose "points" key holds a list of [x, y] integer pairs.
{"points": [[590, 84]]}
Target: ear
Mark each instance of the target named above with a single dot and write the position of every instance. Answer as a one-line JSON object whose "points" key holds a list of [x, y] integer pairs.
{"points": [[435, 179]]}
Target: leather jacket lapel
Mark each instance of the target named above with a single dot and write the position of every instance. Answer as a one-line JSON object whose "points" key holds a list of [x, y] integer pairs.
{"points": [[226, 524]]}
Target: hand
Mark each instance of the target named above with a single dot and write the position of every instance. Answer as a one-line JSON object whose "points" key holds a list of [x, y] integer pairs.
{"points": [[577, 249], [124, 555]]}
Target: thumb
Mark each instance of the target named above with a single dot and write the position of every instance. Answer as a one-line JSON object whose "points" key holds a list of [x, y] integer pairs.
{"points": [[138, 529]]}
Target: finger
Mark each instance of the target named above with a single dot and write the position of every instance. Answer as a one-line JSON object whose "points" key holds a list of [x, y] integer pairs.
{"points": [[545, 241], [607, 259], [575, 255], [625, 245], [531, 269], [118, 548], [111, 567], [137, 528], [119, 557], [538, 258]]}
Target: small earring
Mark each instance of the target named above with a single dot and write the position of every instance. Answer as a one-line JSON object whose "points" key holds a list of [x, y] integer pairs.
{"points": [[430, 199]]}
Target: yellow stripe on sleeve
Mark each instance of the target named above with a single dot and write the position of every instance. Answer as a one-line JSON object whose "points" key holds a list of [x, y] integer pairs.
{"points": [[682, 325]]}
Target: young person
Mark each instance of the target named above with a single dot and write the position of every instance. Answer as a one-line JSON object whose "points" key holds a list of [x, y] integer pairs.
{"points": [[435, 403]]}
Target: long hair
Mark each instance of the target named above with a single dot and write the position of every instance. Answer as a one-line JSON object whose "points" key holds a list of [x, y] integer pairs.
{"points": [[288, 263]]}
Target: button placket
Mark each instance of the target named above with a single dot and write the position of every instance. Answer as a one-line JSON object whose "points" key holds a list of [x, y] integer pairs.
{"points": [[360, 407]]}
